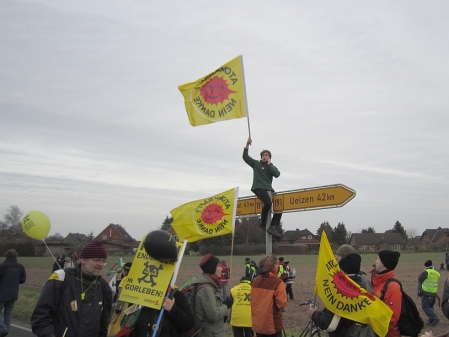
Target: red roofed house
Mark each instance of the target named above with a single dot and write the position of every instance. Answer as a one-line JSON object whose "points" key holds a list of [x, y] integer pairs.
{"points": [[299, 242], [116, 240]]}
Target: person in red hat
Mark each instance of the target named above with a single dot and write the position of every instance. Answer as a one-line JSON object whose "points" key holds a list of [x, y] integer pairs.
{"points": [[75, 302], [208, 304]]}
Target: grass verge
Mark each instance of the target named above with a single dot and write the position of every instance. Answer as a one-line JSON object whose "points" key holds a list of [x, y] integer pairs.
{"points": [[23, 308]]}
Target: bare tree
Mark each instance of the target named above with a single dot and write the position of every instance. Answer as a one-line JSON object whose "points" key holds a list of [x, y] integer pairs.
{"points": [[13, 219], [3, 225], [55, 237], [348, 236], [411, 232]]}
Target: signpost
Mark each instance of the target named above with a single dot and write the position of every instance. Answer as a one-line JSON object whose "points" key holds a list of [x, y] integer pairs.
{"points": [[306, 199]]}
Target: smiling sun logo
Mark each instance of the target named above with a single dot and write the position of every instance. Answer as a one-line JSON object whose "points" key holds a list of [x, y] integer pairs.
{"points": [[212, 213], [347, 288], [216, 91]]}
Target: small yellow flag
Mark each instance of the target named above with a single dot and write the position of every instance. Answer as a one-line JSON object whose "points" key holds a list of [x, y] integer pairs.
{"points": [[148, 279], [344, 297], [218, 96], [206, 218]]}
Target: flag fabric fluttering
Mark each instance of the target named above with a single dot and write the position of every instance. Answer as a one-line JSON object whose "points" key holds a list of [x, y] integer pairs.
{"points": [[115, 267], [344, 297], [218, 96], [206, 218], [113, 283]]}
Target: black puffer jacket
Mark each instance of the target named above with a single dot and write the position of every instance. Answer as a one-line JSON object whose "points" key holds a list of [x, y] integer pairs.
{"points": [[12, 273], [60, 306], [335, 325], [180, 319]]}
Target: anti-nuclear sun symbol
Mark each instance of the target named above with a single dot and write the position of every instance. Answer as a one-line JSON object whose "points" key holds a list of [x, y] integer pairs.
{"points": [[347, 288], [212, 213], [216, 91]]}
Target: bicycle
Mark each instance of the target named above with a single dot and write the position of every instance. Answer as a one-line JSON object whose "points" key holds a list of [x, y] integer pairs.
{"points": [[316, 331]]}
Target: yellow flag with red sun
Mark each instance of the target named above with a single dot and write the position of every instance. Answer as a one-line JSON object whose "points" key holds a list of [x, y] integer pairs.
{"points": [[344, 297], [218, 96], [206, 218]]}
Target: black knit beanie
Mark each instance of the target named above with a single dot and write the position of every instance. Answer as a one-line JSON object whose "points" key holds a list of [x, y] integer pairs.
{"points": [[350, 263], [389, 258]]}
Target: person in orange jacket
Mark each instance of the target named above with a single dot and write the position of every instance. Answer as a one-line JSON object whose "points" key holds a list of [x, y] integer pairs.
{"points": [[268, 299], [384, 266]]}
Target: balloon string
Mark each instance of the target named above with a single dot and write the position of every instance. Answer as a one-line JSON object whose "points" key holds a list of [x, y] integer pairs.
{"points": [[51, 253]]}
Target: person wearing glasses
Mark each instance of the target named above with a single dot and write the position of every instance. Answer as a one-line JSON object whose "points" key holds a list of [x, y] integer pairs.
{"points": [[75, 302]]}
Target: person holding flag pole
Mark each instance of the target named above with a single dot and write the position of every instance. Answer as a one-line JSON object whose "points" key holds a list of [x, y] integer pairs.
{"points": [[197, 220], [335, 325], [263, 173], [344, 297], [164, 311], [184, 320]]}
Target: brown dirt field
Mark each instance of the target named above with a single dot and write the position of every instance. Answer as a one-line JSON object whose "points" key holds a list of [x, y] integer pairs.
{"points": [[295, 316]]}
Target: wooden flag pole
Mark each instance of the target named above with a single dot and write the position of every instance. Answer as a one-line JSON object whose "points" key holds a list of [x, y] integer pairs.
{"points": [[246, 98], [232, 255]]}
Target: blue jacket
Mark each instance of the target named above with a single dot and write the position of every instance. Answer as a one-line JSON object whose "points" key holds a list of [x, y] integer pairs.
{"points": [[12, 273]]}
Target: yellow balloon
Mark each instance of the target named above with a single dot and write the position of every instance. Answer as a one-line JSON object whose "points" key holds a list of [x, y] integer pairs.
{"points": [[36, 225]]}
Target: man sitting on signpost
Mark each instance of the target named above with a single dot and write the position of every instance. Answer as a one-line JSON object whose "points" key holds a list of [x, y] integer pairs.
{"points": [[263, 173]]}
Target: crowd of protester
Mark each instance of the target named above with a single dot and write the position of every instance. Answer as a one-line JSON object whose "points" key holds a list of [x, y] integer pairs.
{"points": [[253, 307]]}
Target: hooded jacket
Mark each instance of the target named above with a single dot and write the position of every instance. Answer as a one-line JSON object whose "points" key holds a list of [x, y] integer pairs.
{"points": [[208, 307]]}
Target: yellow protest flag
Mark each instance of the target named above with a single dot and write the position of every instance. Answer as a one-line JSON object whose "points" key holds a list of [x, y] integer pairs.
{"points": [[148, 279], [218, 96], [206, 218], [344, 297]]}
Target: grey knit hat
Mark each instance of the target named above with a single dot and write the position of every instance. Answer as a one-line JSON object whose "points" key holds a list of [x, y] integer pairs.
{"points": [[344, 250]]}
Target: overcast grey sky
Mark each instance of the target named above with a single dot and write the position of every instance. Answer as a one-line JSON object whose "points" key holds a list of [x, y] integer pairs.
{"points": [[94, 131]]}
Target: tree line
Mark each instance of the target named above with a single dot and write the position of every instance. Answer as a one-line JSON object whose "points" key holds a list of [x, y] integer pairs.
{"points": [[247, 231]]}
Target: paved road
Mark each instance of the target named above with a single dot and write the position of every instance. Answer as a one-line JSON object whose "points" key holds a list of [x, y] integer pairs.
{"points": [[19, 331]]}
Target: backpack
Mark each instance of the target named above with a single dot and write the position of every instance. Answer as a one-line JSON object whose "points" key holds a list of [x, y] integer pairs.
{"points": [[189, 291], [292, 272], [365, 282], [410, 323]]}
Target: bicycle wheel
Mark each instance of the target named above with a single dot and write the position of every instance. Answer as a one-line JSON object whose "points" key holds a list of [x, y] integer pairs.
{"points": [[306, 333], [316, 333]]}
